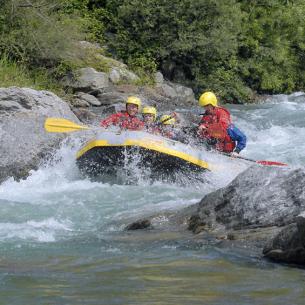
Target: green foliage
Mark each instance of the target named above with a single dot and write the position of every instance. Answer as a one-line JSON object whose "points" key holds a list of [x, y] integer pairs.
{"points": [[38, 34], [145, 67], [43, 37], [233, 47], [13, 74], [268, 61], [229, 46]]}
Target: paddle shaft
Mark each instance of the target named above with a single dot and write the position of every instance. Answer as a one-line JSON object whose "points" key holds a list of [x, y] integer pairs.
{"points": [[62, 125], [262, 162]]}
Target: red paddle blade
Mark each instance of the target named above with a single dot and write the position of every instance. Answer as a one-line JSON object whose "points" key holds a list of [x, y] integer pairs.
{"points": [[271, 163]]}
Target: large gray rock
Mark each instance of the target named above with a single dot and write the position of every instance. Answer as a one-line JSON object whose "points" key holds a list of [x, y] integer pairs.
{"points": [[289, 245], [258, 197], [88, 80], [23, 141], [111, 96], [117, 75], [159, 79], [180, 94], [86, 98]]}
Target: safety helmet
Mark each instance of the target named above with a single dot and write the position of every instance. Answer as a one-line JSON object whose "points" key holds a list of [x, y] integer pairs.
{"points": [[150, 110], [167, 120], [134, 100], [208, 98]]}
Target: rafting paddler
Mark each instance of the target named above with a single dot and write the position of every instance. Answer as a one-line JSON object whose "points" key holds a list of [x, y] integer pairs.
{"points": [[167, 124], [217, 129], [169, 128], [149, 114], [126, 119]]}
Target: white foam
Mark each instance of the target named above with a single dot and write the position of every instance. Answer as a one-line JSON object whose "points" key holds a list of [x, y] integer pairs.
{"points": [[41, 231], [65, 203]]}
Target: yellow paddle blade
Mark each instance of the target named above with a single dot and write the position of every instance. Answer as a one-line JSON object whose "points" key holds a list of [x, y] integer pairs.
{"points": [[62, 125]]}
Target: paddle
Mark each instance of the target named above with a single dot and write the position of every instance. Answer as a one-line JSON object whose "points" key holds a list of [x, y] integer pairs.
{"points": [[262, 162], [62, 125]]}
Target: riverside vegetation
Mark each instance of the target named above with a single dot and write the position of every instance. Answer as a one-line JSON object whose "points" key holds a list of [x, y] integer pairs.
{"points": [[235, 48]]}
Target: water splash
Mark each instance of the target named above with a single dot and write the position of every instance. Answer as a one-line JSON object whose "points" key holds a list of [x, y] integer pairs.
{"points": [[76, 205]]}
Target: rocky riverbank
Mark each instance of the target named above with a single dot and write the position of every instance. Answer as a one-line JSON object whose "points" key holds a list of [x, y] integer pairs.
{"points": [[262, 208], [24, 142]]}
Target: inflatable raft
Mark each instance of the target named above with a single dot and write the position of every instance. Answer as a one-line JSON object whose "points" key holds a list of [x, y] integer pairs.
{"points": [[111, 152]]}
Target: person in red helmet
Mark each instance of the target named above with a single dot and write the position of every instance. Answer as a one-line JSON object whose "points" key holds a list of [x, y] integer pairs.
{"points": [[126, 119], [216, 127]]}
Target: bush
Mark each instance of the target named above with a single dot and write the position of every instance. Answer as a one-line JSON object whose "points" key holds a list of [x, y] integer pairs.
{"points": [[16, 74], [227, 46]]}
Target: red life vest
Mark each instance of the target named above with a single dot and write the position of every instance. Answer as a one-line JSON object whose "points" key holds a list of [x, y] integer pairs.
{"points": [[123, 120], [216, 127], [225, 145]]}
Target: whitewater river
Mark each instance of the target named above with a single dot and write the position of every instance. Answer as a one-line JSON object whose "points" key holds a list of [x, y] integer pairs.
{"points": [[62, 238]]}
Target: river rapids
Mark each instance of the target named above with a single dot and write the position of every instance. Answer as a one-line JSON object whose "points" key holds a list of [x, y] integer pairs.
{"points": [[63, 240]]}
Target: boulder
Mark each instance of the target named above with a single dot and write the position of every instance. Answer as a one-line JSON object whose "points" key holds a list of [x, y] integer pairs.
{"points": [[88, 98], [139, 225], [167, 90], [87, 80], [289, 245], [86, 116], [111, 96], [259, 197], [176, 95], [118, 75], [24, 142], [79, 103], [159, 79]]}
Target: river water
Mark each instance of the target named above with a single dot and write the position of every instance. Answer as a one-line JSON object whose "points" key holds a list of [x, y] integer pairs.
{"points": [[62, 238]]}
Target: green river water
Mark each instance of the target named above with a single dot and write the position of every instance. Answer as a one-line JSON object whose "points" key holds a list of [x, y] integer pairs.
{"points": [[62, 239]]}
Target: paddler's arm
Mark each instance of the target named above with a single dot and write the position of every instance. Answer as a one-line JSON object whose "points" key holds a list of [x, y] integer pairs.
{"points": [[111, 120], [238, 136]]}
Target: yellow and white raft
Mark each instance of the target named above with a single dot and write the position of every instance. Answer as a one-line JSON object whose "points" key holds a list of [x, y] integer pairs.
{"points": [[109, 152]]}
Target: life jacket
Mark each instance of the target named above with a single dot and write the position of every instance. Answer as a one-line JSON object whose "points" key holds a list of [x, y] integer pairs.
{"points": [[216, 127], [220, 115], [123, 120], [225, 145]]}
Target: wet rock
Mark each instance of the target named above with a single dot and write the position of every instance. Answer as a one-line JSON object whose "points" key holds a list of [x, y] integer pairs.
{"points": [[259, 197], [24, 143], [289, 245], [139, 225], [195, 224]]}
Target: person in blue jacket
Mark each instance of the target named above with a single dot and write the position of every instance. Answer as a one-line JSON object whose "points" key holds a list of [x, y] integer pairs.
{"points": [[238, 137], [217, 129]]}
